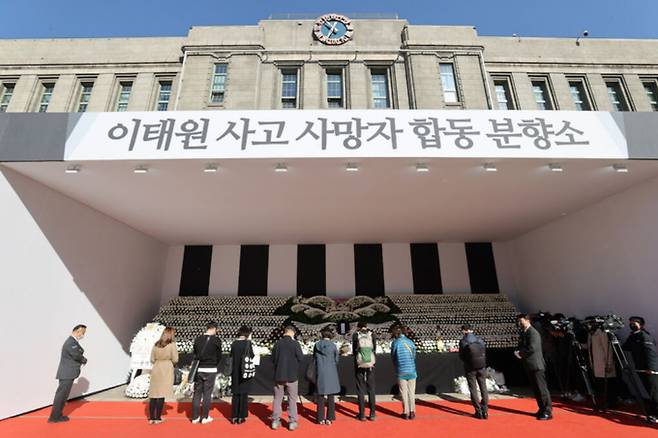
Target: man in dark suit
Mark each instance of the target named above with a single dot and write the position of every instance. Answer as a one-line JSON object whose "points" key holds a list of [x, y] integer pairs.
{"points": [[472, 351], [71, 360], [533, 361], [287, 356], [644, 351]]}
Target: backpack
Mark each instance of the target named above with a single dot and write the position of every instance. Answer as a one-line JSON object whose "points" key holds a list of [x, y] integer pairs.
{"points": [[475, 355], [365, 357]]}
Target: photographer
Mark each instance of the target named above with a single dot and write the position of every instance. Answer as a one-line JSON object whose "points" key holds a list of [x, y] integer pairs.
{"points": [[642, 347], [543, 323]]}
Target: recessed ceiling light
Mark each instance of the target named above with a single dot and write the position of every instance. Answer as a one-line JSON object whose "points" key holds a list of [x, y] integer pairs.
{"points": [[554, 167], [141, 169], [352, 167], [281, 167], [422, 167], [620, 168], [73, 169], [211, 168], [490, 167]]}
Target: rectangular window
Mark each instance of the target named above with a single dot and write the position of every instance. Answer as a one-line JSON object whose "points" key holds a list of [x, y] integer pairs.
{"points": [[47, 89], [448, 82], [651, 89], [6, 92], [85, 94], [379, 84], [218, 84], [289, 88], [616, 95], [503, 91], [335, 89], [164, 95], [579, 95], [125, 88], [542, 94]]}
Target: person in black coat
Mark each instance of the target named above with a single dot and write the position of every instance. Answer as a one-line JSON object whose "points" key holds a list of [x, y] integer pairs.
{"points": [[72, 358], [472, 351], [241, 378], [642, 347], [530, 353], [287, 356], [208, 351]]}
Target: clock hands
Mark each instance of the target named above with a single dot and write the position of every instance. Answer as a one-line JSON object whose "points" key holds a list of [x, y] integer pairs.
{"points": [[332, 28]]}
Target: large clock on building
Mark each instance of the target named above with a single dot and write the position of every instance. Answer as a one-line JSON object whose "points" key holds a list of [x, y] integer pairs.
{"points": [[333, 29]]}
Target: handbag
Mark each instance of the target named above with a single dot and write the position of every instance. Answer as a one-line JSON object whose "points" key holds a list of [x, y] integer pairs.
{"points": [[178, 376], [312, 371], [194, 367], [247, 363]]}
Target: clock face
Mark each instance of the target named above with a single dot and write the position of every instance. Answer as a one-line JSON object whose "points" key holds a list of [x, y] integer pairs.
{"points": [[333, 29]]}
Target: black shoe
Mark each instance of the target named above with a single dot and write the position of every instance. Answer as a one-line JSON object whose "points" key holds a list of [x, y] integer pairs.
{"points": [[545, 417], [361, 417], [234, 421], [405, 416], [412, 415], [478, 415], [372, 417], [485, 415], [652, 420], [63, 419], [241, 420]]}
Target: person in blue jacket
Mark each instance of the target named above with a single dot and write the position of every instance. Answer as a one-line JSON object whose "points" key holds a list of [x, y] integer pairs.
{"points": [[403, 353]]}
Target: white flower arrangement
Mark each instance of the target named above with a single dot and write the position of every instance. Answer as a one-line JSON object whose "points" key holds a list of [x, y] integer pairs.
{"points": [[493, 383], [379, 307], [340, 316], [312, 312], [297, 308], [222, 386], [260, 350], [307, 346], [142, 345], [359, 301], [139, 387], [321, 300], [384, 347], [366, 311]]}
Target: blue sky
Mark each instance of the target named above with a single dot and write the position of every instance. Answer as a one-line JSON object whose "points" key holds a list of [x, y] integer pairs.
{"points": [[100, 18]]}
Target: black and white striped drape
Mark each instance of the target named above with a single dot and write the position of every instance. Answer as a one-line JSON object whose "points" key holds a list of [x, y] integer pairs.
{"points": [[339, 269]]}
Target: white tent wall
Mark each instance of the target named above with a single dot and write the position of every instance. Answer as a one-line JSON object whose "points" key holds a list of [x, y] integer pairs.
{"points": [[593, 261], [63, 263]]}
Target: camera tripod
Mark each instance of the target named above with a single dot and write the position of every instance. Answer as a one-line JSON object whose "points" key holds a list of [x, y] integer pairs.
{"points": [[581, 362], [629, 375]]}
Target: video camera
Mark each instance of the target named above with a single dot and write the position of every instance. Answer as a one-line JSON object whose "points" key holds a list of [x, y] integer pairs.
{"points": [[555, 322], [607, 323], [562, 324]]}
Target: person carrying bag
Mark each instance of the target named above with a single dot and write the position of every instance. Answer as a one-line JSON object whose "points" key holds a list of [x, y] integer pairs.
{"points": [[208, 355]]}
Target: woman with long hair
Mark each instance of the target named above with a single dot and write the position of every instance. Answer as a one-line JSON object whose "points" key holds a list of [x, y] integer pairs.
{"points": [[163, 356]]}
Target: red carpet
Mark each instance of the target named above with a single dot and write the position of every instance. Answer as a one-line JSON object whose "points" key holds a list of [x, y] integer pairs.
{"points": [[436, 418]]}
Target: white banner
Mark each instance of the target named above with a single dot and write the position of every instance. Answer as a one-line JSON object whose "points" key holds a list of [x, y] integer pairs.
{"points": [[345, 133]]}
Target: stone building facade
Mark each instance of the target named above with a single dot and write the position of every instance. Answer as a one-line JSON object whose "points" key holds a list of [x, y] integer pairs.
{"points": [[387, 63]]}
